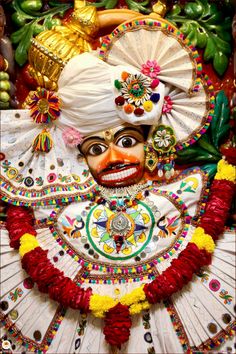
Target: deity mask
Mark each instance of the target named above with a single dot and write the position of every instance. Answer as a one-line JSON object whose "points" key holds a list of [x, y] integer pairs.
{"points": [[116, 156]]}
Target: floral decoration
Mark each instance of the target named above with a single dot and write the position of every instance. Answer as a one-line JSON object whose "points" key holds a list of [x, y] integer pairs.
{"points": [[72, 137], [44, 106], [117, 325], [14, 295], [226, 297], [163, 138], [136, 93], [167, 105], [136, 89], [117, 312], [151, 69]]}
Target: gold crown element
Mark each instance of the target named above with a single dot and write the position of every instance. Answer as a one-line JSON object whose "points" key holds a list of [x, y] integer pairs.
{"points": [[52, 49]]}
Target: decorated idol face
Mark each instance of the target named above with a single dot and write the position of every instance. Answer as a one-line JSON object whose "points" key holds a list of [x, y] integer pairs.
{"points": [[116, 156]]}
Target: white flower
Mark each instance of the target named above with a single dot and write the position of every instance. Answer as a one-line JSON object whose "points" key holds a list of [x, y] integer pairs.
{"points": [[136, 89], [162, 138]]}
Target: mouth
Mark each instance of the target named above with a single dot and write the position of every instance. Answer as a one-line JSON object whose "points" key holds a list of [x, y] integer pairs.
{"points": [[120, 173]]}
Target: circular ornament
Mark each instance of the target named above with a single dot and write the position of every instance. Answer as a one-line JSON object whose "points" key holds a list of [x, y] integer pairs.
{"points": [[12, 173], [163, 139], [29, 182], [122, 235], [51, 177]]}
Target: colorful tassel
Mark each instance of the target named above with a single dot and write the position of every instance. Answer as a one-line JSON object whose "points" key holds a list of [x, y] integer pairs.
{"points": [[43, 142]]}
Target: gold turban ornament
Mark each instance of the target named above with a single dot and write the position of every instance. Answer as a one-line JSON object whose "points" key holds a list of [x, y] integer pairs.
{"points": [[52, 49]]}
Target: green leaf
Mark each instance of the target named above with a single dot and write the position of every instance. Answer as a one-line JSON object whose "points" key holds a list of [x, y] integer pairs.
{"points": [[193, 10], [220, 62], [204, 143], [201, 38], [206, 27], [16, 36], [219, 125], [139, 7], [195, 154], [210, 49], [110, 4], [21, 52], [175, 10], [192, 36]]}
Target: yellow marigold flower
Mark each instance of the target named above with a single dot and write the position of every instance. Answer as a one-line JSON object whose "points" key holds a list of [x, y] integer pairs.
{"points": [[28, 243], [138, 307], [226, 171], [135, 309], [135, 296], [146, 305], [148, 105], [202, 240], [99, 304]]}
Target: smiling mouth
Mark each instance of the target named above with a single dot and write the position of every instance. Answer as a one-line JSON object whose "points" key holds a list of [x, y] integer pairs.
{"points": [[120, 173]]}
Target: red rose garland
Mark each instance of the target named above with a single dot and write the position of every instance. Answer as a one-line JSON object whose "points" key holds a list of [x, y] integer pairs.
{"points": [[52, 281], [117, 325], [62, 289], [217, 208], [190, 260]]}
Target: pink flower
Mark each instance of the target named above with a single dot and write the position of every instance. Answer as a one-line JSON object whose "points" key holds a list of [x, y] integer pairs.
{"points": [[167, 105], [151, 69], [72, 137]]}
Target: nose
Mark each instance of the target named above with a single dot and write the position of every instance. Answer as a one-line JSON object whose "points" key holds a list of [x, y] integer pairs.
{"points": [[114, 156]]}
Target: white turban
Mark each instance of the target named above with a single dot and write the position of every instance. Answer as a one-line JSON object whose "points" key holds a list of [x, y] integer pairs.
{"points": [[87, 93]]}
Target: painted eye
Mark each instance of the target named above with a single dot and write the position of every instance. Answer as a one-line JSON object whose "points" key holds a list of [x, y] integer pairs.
{"points": [[97, 149], [126, 142]]}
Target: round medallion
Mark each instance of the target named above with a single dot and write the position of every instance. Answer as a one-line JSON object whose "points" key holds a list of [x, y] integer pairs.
{"points": [[14, 314], [29, 182], [120, 235], [37, 335], [12, 173]]}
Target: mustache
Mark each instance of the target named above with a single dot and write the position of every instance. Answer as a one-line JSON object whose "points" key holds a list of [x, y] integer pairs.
{"points": [[114, 167]]}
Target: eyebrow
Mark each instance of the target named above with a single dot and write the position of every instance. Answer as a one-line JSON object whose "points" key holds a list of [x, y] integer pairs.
{"points": [[92, 138], [128, 129]]}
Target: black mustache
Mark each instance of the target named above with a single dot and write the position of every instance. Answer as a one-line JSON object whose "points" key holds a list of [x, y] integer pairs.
{"points": [[118, 167]]}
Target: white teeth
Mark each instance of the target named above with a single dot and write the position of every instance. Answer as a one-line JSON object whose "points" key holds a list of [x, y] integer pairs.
{"points": [[119, 175]]}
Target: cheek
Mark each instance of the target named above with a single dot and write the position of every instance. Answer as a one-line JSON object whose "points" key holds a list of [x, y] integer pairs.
{"points": [[94, 163], [134, 154]]}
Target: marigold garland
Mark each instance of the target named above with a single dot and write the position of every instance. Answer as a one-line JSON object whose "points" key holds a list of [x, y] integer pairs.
{"points": [[28, 243], [202, 240], [117, 312], [225, 171]]}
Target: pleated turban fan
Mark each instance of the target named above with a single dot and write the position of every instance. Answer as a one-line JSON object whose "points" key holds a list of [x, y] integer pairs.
{"points": [[144, 73]]}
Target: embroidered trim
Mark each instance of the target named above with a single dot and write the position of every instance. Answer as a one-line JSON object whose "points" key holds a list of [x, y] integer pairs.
{"points": [[153, 25]]}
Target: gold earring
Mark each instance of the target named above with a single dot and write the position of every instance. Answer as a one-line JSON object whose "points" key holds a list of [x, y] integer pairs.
{"points": [[151, 158]]}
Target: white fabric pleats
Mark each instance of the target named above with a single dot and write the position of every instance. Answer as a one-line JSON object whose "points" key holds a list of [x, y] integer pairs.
{"points": [[202, 306]]}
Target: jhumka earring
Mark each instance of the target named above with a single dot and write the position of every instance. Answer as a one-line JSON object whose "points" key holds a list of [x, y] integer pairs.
{"points": [[163, 144], [151, 158]]}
